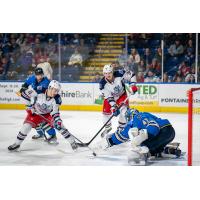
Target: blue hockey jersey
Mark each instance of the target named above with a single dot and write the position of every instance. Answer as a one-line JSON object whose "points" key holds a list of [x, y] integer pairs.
{"points": [[142, 120], [38, 87]]}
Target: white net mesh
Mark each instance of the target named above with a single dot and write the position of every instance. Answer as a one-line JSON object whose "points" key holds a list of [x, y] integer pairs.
{"points": [[196, 128]]}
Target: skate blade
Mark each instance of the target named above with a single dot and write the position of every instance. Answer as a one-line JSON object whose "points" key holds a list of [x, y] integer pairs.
{"points": [[53, 143], [16, 150], [141, 163]]}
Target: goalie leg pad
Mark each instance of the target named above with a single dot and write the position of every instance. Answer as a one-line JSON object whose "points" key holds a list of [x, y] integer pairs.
{"points": [[157, 143]]}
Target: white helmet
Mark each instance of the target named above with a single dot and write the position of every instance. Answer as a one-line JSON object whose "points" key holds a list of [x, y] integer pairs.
{"points": [[55, 84], [107, 69]]}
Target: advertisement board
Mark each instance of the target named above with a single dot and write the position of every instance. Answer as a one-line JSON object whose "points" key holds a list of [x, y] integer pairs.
{"points": [[87, 96]]}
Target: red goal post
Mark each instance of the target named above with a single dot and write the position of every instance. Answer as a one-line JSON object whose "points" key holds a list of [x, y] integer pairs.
{"points": [[191, 112]]}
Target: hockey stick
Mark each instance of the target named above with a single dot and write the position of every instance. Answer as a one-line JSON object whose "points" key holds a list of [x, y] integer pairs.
{"points": [[47, 120], [88, 143]]}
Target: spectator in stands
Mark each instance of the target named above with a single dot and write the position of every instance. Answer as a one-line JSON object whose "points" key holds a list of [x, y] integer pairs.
{"points": [[140, 77], [96, 78], [37, 46], [147, 57], [116, 65], [25, 46], [133, 39], [166, 78], [122, 59], [190, 47], [47, 69], [190, 36], [134, 56], [155, 66], [6, 48], [184, 69], [50, 48], [69, 78], [20, 39], [131, 65], [24, 62], [178, 77], [30, 37], [40, 55], [75, 62], [189, 57], [5, 65], [141, 66], [190, 78], [1, 66], [151, 77], [76, 40], [75, 59], [176, 49], [158, 55]]}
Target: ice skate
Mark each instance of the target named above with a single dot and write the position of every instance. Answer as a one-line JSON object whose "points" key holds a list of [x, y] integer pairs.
{"points": [[13, 147], [37, 136], [53, 140]]}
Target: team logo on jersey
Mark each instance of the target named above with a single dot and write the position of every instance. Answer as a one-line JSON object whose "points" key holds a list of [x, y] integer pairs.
{"points": [[39, 87], [145, 121], [116, 89], [44, 106]]}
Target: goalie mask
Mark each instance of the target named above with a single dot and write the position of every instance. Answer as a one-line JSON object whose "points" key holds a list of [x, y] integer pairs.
{"points": [[130, 113]]}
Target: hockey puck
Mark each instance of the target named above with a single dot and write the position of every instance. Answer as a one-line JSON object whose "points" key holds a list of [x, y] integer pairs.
{"points": [[94, 154]]}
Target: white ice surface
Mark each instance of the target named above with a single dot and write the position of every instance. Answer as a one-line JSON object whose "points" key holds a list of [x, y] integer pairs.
{"points": [[83, 125]]}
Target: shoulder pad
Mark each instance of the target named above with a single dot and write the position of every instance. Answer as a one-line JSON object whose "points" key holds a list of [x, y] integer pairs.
{"points": [[102, 83], [46, 80], [30, 79], [58, 99]]}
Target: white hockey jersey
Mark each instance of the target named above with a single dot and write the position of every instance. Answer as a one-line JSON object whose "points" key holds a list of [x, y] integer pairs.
{"points": [[113, 90], [44, 104], [41, 102]]}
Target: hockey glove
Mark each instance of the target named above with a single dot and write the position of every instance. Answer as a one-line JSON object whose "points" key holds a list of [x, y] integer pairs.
{"points": [[30, 110], [18, 94], [57, 122], [115, 110]]}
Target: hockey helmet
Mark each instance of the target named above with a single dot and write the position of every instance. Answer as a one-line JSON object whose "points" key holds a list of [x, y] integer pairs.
{"points": [[55, 84], [107, 69], [39, 71]]}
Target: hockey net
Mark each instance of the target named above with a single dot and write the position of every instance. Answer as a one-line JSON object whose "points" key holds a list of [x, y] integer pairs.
{"points": [[194, 126]]}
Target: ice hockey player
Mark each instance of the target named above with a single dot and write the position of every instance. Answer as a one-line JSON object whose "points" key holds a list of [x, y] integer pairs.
{"points": [[40, 84], [149, 136], [112, 87], [47, 105]]}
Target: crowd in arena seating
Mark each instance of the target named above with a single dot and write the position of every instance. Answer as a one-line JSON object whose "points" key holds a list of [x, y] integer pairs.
{"points": [[21, 53], [145, 57]]}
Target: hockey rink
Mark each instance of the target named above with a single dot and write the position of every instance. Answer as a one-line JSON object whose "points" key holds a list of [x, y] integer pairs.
{"points": [[83, 125]]}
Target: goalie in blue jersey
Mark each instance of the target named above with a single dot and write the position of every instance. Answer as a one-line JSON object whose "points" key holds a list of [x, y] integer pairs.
{"points": [[147, 133]]}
